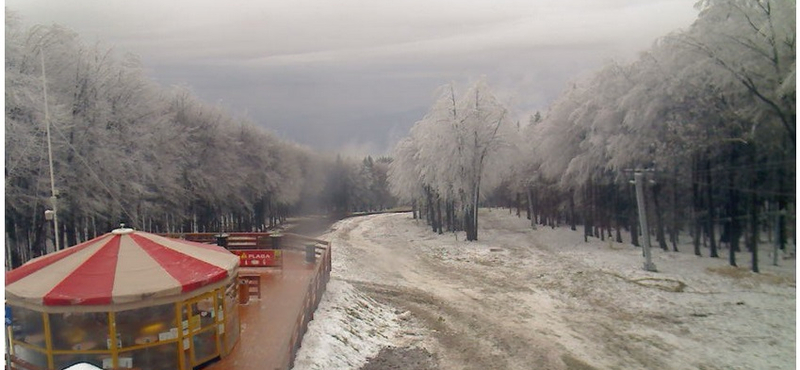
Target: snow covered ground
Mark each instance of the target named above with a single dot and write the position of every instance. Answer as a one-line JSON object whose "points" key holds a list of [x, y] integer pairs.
{"points": [[543, 299]]}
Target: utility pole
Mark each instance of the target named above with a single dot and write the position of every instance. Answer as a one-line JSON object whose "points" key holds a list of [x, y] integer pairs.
{"points": [[53, 192], [638, 180]]}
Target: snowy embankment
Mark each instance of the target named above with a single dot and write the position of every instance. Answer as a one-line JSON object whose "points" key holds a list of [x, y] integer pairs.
{"points": [[348, 326], [520, 297]]}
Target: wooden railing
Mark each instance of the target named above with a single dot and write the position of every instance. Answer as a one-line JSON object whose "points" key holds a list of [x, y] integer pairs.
{"points": [[316, 287]]}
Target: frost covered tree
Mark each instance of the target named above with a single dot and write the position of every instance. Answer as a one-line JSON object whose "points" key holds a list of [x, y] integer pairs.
{"points": [[403, 176], [752, 44], [750, 49], [450, 150], [711, 108], [380, 184], [126, 149]]}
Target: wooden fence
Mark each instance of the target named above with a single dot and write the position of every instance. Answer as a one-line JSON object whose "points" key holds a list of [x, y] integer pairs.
{"points": [[321, 252]]}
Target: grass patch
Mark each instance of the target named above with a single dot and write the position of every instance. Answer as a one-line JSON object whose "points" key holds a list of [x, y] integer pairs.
{"points": [[743, 273], [665, 284]]}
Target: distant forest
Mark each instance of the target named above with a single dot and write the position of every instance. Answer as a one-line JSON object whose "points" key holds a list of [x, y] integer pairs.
{"points": [[707, 114], [126, 149]]}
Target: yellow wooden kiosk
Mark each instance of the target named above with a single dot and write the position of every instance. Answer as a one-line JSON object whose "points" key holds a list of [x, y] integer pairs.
{"points": [[127, 299]]}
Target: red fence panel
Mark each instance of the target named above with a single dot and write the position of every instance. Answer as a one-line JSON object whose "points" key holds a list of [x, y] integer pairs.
{"points": [[258, 257]]}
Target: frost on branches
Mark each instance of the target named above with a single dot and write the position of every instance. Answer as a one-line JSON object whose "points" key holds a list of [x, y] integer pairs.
{"points": [[453, 155]]}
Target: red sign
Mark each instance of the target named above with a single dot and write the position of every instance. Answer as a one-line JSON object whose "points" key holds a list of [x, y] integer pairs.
{"points": [[258, 258]]}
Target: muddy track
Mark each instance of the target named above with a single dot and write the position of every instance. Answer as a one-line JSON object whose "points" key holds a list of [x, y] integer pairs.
{"points": [[515, 301], [478, 320], [469, 339]]}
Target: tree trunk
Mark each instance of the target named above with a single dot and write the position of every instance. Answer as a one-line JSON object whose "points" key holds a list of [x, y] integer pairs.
{"points": [[633, 220], [572, 210], [475, 199], [662, 242], [675, 228], [469, 223], [711, 210], [596, 219], [783, 196], [439, 215], [448, 216], [696, 206], [733, 224], [753, 208], [530, 207], [430, 213], [617, 217], [587, 212], [545, 210], [754, 230]]}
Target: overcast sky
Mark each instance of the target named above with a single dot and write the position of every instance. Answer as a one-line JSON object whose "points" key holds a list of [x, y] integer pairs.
{"points": [[354, 75]]}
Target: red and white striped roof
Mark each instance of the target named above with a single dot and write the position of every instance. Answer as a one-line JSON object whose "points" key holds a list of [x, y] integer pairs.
{"points": [[118, 268]]}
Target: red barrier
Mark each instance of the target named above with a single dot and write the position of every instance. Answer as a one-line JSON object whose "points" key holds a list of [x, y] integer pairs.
{"points": [[259, 257], [254, 249]]}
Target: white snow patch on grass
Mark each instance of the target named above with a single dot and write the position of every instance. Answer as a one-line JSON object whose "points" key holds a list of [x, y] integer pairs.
{"points": [[348, 328]]}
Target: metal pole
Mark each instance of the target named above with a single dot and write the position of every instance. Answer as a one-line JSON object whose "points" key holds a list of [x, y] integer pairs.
{"points": [[638, 178], [8, 254], [53, 193]]}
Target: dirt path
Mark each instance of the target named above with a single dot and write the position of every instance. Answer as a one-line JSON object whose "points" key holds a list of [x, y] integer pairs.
{"points": [[479, 320], [521, 302]]}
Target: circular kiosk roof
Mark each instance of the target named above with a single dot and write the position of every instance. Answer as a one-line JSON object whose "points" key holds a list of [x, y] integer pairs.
{"points": [[123, 269]]}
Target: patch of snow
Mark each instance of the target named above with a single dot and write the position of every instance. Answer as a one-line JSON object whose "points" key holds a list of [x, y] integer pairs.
{"points": [[348, 327]]}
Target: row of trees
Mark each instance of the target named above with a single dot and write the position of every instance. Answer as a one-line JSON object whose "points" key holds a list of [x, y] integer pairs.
{"points": [[711, 110], [358, 187], [128, 150]]}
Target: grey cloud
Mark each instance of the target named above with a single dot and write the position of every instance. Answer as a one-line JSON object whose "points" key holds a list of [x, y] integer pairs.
{"points": [[355, 73]]}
